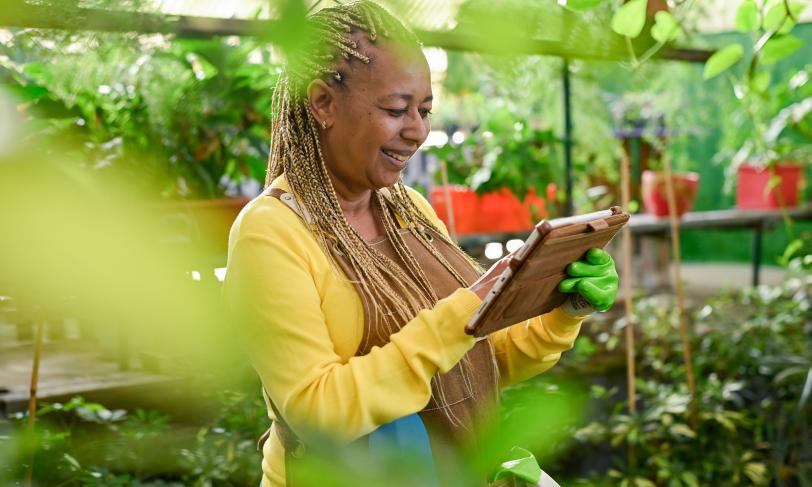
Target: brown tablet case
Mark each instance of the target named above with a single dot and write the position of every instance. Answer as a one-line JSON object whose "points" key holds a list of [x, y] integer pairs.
{"points": [[532, 289]]}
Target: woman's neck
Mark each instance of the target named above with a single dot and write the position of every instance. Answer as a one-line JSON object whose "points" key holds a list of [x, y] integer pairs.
{"points": [[353, 202]]}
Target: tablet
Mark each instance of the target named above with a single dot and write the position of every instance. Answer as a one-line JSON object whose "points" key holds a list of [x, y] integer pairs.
{"points": [[529, 286]]}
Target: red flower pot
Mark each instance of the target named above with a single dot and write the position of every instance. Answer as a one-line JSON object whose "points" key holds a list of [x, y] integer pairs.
{"points": [[498, 211], [655, 198], [501, 211], [751, 189], [536, 206], [464, 203]]}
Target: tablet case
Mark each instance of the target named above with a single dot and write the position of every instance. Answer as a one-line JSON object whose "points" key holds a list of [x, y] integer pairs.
{"points": [[532, 289]]}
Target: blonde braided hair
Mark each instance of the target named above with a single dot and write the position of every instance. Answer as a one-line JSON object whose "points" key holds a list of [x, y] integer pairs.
{"points": [[398, 293]]}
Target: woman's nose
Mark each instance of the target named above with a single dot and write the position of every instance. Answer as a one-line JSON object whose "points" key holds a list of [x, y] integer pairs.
{"points": [[415, 127]]}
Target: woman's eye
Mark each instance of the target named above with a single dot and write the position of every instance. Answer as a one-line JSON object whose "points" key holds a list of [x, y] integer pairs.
{"points": [[425, 113], [396, 112]]}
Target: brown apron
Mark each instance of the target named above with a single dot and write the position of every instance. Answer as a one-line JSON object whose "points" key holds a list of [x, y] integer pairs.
{"points": [[470, 404]]}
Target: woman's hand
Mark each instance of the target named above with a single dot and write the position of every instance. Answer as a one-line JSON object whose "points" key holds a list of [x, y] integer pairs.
{"points": [[489, 278], [595, 278]]}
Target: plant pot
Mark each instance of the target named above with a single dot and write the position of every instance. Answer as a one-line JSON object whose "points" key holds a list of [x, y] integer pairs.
{"points": [[655, 199], [752, 183], [501, 211], [495, 212], [464, 202], [536, 205]]}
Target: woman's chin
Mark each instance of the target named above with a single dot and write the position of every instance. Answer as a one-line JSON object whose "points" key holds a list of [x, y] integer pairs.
{"points": [[387, 179]]}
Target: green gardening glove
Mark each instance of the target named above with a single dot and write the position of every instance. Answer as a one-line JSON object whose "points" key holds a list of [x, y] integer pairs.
{"points": [[594, 278]]}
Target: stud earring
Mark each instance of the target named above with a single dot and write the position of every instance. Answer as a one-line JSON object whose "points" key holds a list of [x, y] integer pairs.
{"points": [[324, 124]]}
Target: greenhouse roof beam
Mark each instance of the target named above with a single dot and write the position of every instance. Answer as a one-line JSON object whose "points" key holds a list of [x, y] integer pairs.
{"points": [[23, 15]]}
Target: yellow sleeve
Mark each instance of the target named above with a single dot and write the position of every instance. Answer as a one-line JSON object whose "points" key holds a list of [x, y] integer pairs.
{"points": [[271, 288], [529, 348]]}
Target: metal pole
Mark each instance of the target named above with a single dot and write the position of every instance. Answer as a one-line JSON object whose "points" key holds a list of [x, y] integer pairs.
{"points": [[757, 237], [570, 206]]}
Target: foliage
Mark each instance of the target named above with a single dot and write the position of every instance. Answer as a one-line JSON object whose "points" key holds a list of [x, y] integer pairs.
{"points": [[652, 22], [771, 116], [502, 152], [84, 443], [191, 114], [753, 363]]}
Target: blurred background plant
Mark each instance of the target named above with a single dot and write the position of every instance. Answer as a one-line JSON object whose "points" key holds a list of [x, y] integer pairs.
{"points": [[188, 114], [770, 118]]}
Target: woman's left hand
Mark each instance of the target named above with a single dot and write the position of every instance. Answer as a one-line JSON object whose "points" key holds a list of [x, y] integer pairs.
{"points": [[595, 278]]}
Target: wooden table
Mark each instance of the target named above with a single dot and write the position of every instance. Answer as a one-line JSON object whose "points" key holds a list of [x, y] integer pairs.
{"points": [[648, 225]]}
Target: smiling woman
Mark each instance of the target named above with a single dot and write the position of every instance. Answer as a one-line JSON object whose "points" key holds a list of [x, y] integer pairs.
{"points": [[349, 294]]}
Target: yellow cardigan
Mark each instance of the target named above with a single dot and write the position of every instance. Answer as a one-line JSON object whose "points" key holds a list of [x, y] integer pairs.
{"points": [[302, 322]]}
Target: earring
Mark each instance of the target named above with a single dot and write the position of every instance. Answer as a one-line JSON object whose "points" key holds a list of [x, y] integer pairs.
{"points": [[324, 124]]}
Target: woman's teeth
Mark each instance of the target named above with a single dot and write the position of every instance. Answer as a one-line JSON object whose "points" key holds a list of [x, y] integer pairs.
{"points": [[395, 155]]}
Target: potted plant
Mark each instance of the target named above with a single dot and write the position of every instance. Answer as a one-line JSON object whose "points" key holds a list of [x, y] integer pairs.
{"points": [[655, 199], [501, 170], [770, 139], [185, 118], [641, 127]]}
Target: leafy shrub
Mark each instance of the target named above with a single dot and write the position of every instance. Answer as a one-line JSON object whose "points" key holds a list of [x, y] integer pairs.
{"points": [[753, 366]]}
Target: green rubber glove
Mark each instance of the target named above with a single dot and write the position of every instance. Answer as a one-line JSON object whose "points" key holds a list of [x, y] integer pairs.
{"points": [[595, 278]]}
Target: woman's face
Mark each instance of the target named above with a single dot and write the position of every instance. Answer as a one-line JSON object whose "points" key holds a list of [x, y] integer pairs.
{"points": [[381, 118]]}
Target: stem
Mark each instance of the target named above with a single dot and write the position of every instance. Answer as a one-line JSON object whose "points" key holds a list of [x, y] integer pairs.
{"points": [[680, 295], [651, 51], [632, 54], [627, 299], [32, 399], [627, 283], [452, 227], [782, 207]]}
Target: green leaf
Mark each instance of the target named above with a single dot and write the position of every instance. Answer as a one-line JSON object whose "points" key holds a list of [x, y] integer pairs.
{"points": [[681, 430], [72, 462], [630, 18], [761, 81], [776, 15], [747, 17], [689, 479], [778, 48], [756, 472], [665, 28], [774, 182], [582, 4], [722, 59]]}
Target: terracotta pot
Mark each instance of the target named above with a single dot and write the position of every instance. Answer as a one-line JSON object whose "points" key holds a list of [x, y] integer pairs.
{"points": [[536, 205], [464, 203], [501, 211], [655, 198], [751, 187], [495, 212]]}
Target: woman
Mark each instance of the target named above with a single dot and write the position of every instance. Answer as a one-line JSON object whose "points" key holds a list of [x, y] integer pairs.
{"points": [[350, 294]]}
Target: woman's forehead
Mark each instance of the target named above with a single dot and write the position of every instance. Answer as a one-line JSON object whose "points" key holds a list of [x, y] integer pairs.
{"points": [[396, 72]]}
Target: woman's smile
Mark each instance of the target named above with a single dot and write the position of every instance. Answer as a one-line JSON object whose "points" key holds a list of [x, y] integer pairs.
{"points": [[397, 159]]}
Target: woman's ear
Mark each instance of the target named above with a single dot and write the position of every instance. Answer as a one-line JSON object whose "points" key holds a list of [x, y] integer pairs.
{"points": [[322, 99]]}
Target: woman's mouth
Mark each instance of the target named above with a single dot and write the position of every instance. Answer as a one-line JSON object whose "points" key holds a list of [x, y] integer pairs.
{"points": [[397, 159]]}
